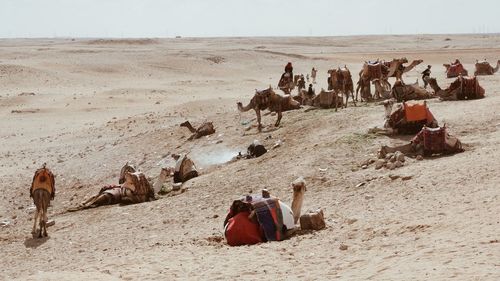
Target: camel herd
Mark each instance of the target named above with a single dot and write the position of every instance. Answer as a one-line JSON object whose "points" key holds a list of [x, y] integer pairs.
{"points": [[249, 213]]}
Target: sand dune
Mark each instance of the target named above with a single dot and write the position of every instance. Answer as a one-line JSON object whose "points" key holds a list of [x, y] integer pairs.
{"points": [[99, 103]]}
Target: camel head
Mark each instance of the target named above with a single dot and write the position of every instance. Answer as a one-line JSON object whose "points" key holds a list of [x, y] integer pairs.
{"points": [[125, 169], [299, 189], [388, 107]]}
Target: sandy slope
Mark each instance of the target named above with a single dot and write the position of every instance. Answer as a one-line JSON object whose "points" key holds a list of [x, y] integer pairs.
{"points": [[100, 103]]}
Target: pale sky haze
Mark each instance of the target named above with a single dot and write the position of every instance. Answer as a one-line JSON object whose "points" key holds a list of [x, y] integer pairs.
{"points": [[214, 18]]}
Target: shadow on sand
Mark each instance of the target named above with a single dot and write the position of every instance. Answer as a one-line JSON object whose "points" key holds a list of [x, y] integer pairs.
{"points": [[34, 243]]}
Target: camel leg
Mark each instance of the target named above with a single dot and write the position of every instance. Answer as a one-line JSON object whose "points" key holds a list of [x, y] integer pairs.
{"points": [[257, 111], [44, 221], [279, 118], [34, 223], [346, 99], [353, 100], [40, 222]]}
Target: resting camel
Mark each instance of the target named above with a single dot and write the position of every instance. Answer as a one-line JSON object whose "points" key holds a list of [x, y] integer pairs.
{"points": [[405, 119], [460, 89], [455, 69], [327, 99], [427, 142], [42, 190], [380, 91], [207, 128], [134, 188], [268, 99], [484, 68], [341, 82], [255, 218], [405, 92]]}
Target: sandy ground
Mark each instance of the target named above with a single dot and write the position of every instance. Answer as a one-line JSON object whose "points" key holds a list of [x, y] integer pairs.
{"points": [[100, 103]]}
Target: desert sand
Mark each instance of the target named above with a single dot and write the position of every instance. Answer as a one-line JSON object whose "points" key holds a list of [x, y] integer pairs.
{"points": [[87, 106]]}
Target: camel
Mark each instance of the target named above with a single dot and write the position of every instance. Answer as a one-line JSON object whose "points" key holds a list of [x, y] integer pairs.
{"points": [[327, 99], [134, 188], [369, 72], [42, 190], [248, 215], [455, 69], [207, 128], [341, 82], [184, 168], [405, 119], [484, 68], [380, 91], [405, 92], [460, 89], [427, 142], [397, 69], [268, 99], [286, 83]]}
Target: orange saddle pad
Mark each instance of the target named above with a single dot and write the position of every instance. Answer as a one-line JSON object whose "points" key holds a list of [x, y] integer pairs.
{"points": [[415, 112]]}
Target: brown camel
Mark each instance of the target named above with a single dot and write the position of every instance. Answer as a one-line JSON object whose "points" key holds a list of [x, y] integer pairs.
{"points": [[460, 89], [134, 188], [484, 68], [380, 91], [340, 81], [268, 99], [455, 69], [207, 128], [405, 119], [428, 142], [369, 72], [405, 92], [42, 190], [397, 68], [286, 83], [327, 99]]}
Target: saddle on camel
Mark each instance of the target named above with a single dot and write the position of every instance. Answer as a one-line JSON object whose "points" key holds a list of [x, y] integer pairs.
{"points": [[455, 69], [259, 218], [42, 190], [184, 168], [133, 188], [428, 142], [465, 88], [406, 119]]}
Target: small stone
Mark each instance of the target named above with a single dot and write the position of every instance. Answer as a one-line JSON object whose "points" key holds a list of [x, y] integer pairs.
{"points": [[389, 155], [368, 197], [360, 184], [420, 157], [394, 177], [393, 159], [398, 164], [379, 164], [215, 216], [343, 247], [400, 156], [364, 166], [405, 178], [391, 166]]}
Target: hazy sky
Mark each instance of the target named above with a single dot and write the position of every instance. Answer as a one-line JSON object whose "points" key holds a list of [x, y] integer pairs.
{"points": [[156, 18]]}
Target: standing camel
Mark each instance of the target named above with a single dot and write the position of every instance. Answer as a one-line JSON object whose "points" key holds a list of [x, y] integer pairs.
{"points": [[341, 81], [43, 189], [268, 99]]}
